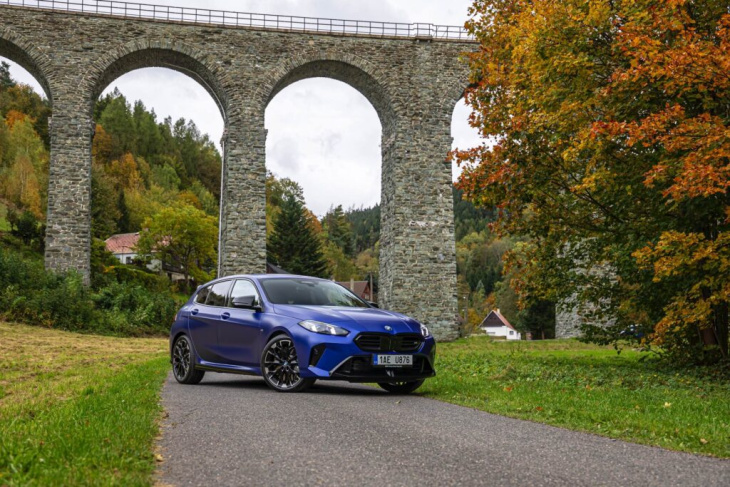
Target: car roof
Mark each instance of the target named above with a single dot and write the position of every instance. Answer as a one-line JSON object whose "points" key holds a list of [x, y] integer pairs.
{"points": [[269, 276]]}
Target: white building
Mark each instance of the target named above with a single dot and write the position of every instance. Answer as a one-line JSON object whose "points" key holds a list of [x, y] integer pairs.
{"points": [[496, 325], [124, 248]]}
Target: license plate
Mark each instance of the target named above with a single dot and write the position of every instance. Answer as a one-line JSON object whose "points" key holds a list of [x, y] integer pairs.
{"points": [[393, 360]]}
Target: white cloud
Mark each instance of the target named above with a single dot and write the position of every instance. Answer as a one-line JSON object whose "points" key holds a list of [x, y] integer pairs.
{"points": [[321, 133]]}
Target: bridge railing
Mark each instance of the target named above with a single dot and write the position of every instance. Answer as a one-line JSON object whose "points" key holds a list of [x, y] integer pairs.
{"points": [[287, 23]]}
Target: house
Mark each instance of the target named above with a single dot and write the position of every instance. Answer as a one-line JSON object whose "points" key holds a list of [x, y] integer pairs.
{"points": [[123, 246], [360, 288], [272, 269], [496, 325]]}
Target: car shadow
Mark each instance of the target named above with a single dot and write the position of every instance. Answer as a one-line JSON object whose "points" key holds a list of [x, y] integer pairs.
{"points": [[320, 387]]}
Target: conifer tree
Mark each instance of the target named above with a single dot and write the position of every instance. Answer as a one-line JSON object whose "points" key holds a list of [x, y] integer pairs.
{"points": [[293, 245]]}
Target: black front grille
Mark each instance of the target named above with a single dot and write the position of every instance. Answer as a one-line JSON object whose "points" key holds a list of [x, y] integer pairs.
{"points": [[382, 342]]}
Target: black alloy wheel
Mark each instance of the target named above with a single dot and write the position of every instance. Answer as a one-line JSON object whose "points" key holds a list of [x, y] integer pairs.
{"points": [[280, 366], [401, 387], [183, 367]]}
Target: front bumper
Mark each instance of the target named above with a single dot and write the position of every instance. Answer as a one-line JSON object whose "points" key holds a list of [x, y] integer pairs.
{"points": [[340, 358]]}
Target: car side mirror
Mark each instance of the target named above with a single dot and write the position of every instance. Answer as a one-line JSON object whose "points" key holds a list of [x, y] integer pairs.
{"points": [[373, 304], [246, 302]]}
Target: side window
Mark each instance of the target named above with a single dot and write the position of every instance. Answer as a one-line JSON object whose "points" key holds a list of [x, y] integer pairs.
{"points": [[202, 295], [218, 293], [244, 288]]}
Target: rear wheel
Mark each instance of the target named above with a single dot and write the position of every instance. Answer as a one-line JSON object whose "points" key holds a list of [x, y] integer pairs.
{"points": [[401, 387], [183, 365], [280, 366]]}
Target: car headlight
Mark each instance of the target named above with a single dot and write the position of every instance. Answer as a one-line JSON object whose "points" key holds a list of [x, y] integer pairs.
{"points": [[425, 332], [323, 328]]}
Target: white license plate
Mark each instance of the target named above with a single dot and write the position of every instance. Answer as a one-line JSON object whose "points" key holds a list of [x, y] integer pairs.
{"points": [[393, 360]]}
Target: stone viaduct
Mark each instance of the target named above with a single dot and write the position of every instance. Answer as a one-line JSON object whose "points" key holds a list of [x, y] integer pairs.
{"points": [[411, 73]]}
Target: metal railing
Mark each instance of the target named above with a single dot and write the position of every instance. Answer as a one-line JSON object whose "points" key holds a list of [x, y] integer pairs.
{"points": [[287, 23]]}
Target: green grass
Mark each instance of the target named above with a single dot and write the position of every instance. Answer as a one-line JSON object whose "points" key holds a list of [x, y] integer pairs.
{"points": [[588, 388], [78, 409]]}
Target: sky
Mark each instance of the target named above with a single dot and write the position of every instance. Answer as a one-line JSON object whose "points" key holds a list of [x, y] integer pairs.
{"points": [[322, 133]]}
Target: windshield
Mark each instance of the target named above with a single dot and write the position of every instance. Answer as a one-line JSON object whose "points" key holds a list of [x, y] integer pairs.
{"points": [[310, 292]]}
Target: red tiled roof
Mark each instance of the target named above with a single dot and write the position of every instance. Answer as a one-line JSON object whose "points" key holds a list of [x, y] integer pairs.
{"points": [[123, 243], [496, 319]]}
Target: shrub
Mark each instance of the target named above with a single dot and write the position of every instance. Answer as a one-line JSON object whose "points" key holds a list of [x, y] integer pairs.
{"points": [[30, 294]]}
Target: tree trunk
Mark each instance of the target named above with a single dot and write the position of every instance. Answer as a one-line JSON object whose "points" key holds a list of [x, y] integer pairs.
{"points": [[720, 328]]}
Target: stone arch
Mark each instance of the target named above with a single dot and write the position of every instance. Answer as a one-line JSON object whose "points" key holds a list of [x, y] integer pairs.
{"points": [[16, 48], [147, 53], [356, 72]]}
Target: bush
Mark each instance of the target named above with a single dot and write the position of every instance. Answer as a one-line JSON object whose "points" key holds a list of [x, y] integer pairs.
{"points": [[27, 227], [30, 294]]}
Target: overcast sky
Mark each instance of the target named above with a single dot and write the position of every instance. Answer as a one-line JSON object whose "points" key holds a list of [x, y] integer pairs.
{"points": [[321, 133]]}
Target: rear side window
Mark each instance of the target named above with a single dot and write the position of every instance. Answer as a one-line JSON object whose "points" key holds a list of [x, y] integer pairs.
{"points": [[202, 295], [218, 293]]}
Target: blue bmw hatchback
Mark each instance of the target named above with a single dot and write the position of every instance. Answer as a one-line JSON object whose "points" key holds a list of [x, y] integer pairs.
{"points": [[293, 330]]}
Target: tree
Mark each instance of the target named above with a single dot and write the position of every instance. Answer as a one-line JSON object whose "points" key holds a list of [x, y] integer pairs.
{"points": [[338, 230], [610, 122], [6, 81], [294, 245], [184, 237], [105, 214]]}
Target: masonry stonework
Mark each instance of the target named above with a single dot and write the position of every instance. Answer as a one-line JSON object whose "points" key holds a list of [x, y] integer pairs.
{"points": [[413, 84]]}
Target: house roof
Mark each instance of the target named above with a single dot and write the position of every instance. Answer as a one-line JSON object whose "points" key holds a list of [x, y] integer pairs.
{"points": [[272, 269], [495, 319], [122, 243], [361, 288]]}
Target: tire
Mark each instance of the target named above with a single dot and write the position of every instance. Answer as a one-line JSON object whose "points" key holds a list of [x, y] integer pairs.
{"points": [[183, 363], [280, 366], [401, 387]]}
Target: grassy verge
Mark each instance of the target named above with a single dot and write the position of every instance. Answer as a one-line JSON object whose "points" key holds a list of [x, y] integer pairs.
{"points": [[587, 388], [78, 409]]}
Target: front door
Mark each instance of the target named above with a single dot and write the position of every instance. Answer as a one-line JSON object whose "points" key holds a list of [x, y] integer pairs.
{"points": [[239, 335]]}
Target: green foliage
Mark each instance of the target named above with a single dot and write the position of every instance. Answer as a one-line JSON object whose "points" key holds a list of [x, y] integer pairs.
{"points": [[121, 304], [468, 218], [337, 229], [6, 81], [105, 212], [294, 245], [27, 228], [365, 223], [183, 237]]}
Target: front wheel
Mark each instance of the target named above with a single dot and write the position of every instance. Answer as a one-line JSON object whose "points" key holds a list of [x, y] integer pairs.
{"points": [[401, 387], [183, 365], [280, 366]]}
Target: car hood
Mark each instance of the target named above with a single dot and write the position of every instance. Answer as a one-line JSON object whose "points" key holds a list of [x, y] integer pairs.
{"points": [[354, 319]]}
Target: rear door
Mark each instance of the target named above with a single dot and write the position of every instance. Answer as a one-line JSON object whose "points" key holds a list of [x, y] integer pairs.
{"points": [[205, 318], [239, 335]]}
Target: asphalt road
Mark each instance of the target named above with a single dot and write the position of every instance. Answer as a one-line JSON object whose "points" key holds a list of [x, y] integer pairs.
{"points": [[233, 430]]}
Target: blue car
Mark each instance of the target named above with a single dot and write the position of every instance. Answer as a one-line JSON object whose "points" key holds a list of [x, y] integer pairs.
{"points": [[293, 330]]}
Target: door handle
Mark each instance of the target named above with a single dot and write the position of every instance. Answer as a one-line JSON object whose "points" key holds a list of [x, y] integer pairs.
{"points": [[225, 316], [194, 312]]}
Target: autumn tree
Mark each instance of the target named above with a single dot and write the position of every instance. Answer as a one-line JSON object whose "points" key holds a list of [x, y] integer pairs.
{"points": [[607, 125], [184, 237]]}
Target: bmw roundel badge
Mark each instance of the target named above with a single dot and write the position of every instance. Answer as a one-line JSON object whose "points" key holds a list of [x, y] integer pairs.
{"points": [[388, 328]]}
